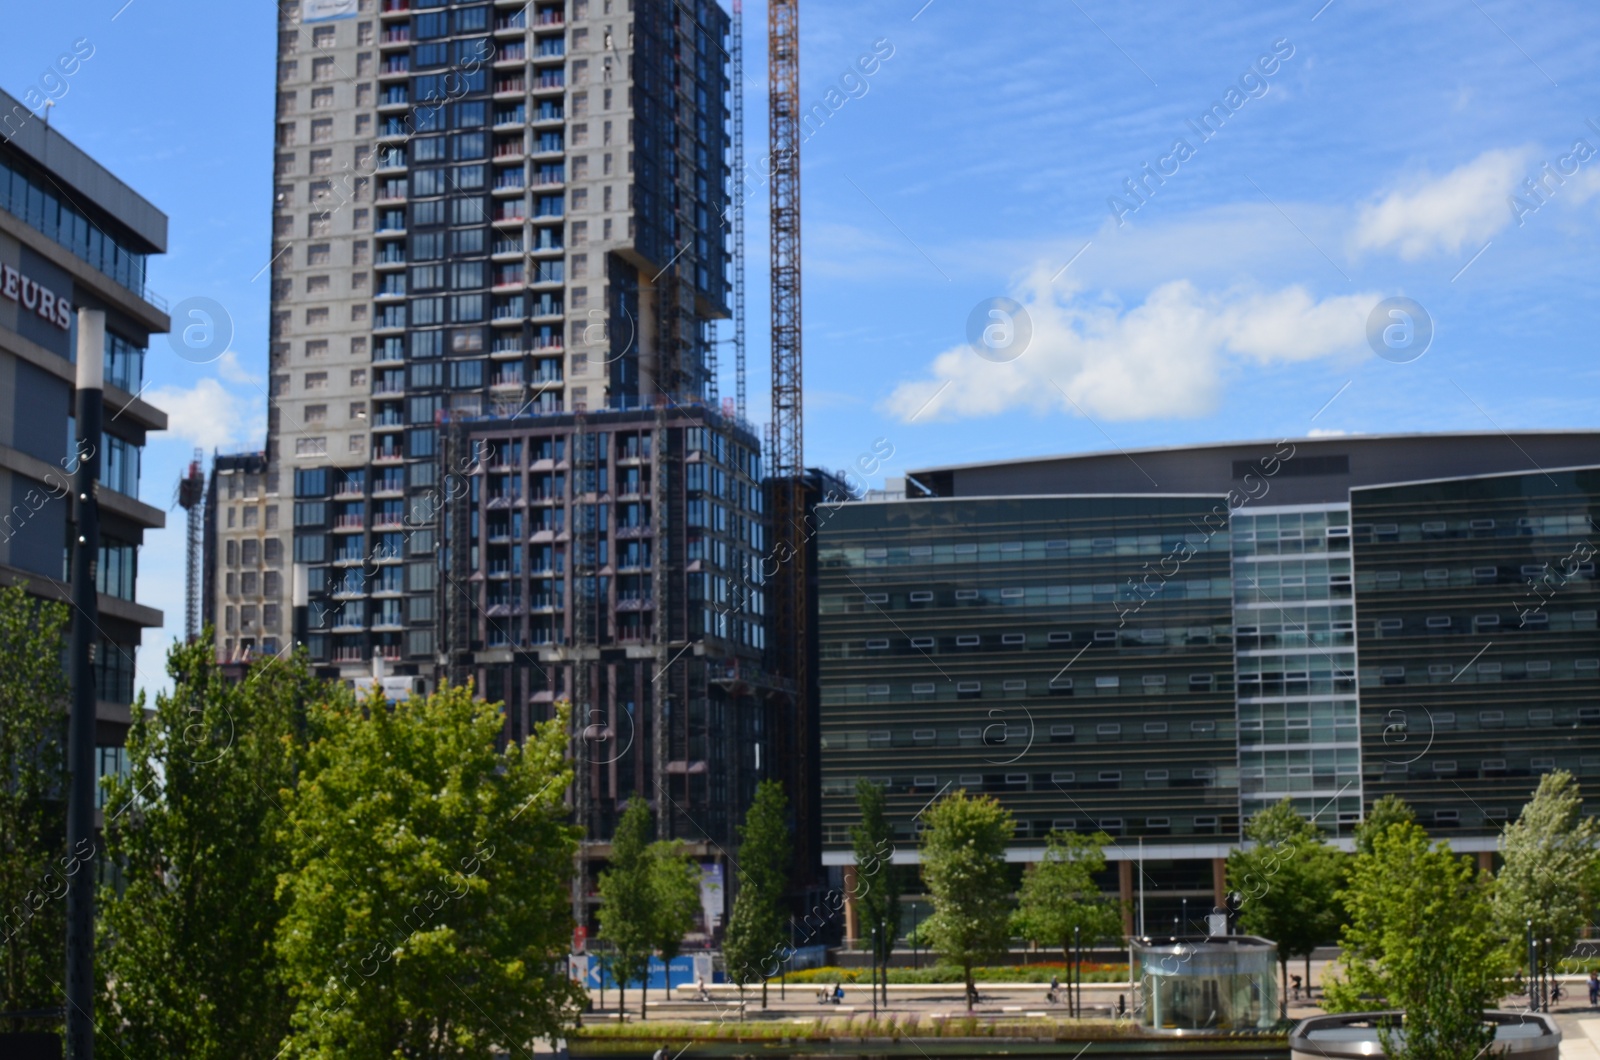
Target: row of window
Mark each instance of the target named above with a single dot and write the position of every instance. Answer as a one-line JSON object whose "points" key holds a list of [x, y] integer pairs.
{"points": [[999, 733], [1022, 551], [31, 197], [1059, 685], [1531, 618], [1442, 672], [1548, 525]]}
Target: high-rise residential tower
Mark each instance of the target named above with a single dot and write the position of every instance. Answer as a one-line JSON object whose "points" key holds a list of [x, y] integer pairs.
{"points": [[499, 230], [482, 209]]}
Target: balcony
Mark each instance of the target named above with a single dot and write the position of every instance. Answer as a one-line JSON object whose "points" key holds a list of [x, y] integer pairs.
{"points": [[388, 486], [511, 54], [394, 37], [509, 87], [387, 456], [344, 524], [515, 23], [394, 7]]}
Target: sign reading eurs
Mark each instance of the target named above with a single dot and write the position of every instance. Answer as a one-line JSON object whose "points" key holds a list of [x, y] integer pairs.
{"points": [[35, 296]]}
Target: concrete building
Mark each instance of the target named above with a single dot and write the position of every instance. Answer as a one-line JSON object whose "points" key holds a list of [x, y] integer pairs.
{"points": [[498, 262], [73, 235], [247, 579], [1159, 644], [473, 222]]}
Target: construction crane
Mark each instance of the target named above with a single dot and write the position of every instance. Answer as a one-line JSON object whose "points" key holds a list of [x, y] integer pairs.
{"points": [[790, 603], [738, 197], [191, 498]]}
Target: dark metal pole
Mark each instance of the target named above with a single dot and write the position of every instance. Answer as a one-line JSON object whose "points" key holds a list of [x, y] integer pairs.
{"points": [[80, 725], [1549, 975], [873, 974], [1533, 1002]]}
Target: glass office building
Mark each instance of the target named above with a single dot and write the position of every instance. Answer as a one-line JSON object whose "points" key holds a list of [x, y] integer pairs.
{"points": [[1324, 620], [74, 236]]}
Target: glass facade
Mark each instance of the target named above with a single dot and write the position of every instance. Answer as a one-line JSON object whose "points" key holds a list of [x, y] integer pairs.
{"points": [[1479, 651], [1164, 668], [1295, 651], [1072, 656], [28, 195]]}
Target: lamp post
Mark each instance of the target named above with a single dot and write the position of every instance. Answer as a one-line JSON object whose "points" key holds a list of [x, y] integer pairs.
{"points": [[873, 975], [81, 716], [1549, 974]]}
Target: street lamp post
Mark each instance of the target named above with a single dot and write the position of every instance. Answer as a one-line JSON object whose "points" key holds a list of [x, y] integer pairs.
{"points": [[874, 973], [81, 715]]}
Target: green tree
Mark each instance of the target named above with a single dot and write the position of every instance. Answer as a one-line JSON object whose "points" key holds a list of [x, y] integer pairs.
{"points": [[1549, 876], [1421, 938], [1289, 882], [625, 899], [963, 865], [428, 894], [34, 861], [1059, 895], [1387, 811], [877, 888], [747, 942], [674, 904], [764, 868], [187, 966]]}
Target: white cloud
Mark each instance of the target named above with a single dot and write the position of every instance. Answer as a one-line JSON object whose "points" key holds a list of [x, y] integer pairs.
{"points": [[1166, 357], [210, 416], [1327, 432], [229, 368], [1463, 208]]}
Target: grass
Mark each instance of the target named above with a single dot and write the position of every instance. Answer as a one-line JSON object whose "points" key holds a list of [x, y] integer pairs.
{"points": [[950, 973]]}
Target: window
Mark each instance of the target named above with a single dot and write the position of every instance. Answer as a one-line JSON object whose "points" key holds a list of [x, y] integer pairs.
{"points": [[316, 380], [311, 447]]}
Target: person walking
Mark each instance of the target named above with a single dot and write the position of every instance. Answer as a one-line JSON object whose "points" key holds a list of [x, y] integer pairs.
{"points": [[1594, 989]]}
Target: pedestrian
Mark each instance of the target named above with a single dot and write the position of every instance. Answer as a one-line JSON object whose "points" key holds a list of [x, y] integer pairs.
{"points": [[661, 1054], [1295, 979], [1122, 1006], [1594, 989], [1053, 995]]}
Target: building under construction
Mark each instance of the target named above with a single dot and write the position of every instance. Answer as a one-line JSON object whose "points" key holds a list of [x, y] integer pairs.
{"points": [[496, 417], [612, 559]]}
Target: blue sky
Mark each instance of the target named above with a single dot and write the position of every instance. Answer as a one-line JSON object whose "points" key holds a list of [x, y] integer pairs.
{"points": [[1377, 160]]}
